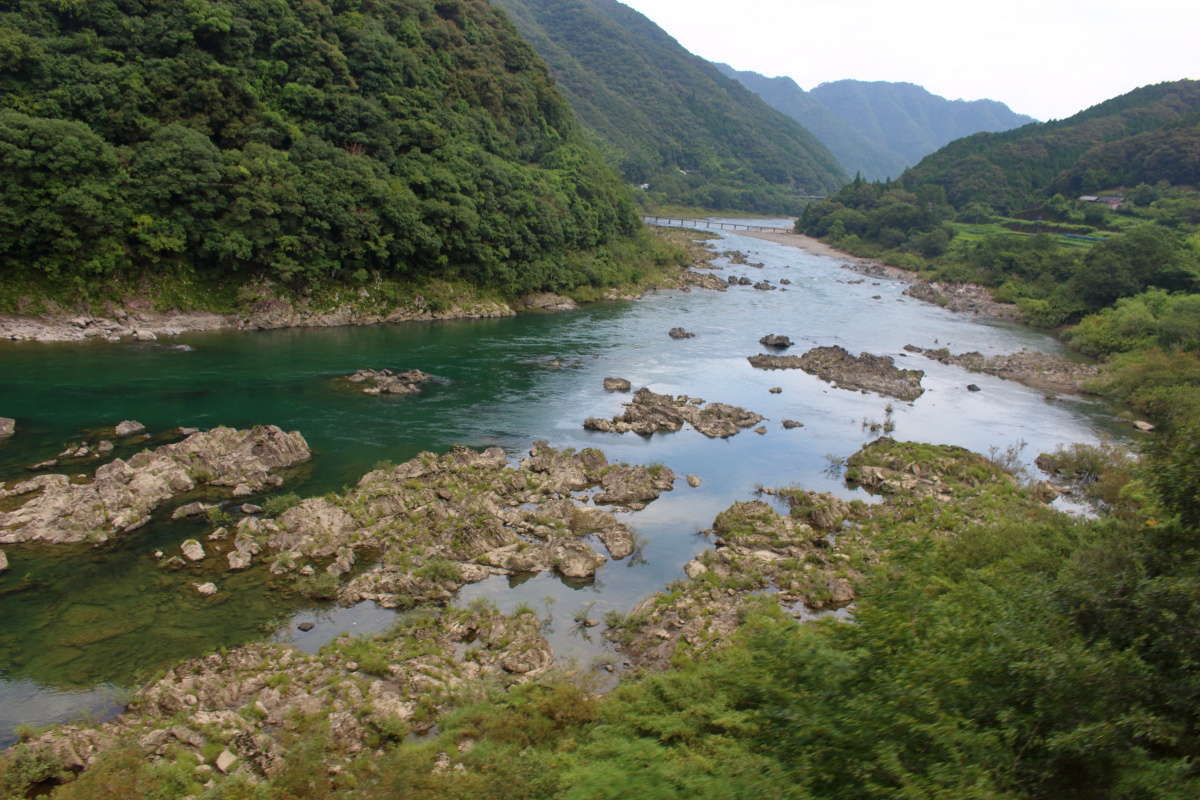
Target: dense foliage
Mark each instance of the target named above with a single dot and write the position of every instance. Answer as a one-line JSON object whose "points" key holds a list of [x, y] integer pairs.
{"points": [[1146, 135], [1070, 260], [302, 140], [667, 118]]}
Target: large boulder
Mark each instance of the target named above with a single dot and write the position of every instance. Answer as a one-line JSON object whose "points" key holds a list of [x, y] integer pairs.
{"points": [[8, 426], [129, 427], [775, 340]]}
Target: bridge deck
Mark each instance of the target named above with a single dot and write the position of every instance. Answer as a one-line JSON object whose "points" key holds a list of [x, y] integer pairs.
{"points": [[675, 222]]}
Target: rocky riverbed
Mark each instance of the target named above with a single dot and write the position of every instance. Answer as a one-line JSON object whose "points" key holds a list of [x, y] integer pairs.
{"points": [[435, 523], [236, 711], [808, 560], [122, 495]]}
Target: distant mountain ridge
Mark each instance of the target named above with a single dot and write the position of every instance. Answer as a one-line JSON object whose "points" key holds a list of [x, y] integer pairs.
{"points": [[1148, 135], [668, 118], [878, 128]]}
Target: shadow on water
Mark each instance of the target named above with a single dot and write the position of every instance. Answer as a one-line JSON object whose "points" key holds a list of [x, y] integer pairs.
{"points": [[79, 622]]}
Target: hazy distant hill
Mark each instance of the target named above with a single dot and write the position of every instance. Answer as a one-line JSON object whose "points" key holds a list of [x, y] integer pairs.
{"points": [[877, 128], [1147, 135], [660, 112]]}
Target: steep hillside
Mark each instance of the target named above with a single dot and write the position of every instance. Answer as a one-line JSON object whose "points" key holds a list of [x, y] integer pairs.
{"points": [[1170, 154], [297, 140], [666, 117], [1143, 136]]}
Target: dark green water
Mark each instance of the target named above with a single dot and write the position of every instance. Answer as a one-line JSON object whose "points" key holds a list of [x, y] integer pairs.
{"points": [[83, 625]]}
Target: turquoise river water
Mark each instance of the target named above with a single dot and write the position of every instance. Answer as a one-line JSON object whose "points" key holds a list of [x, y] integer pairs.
{"points": [[82, 627]]}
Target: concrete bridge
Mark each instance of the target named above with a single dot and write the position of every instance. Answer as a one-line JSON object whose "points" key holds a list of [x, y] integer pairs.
{"points": [[676, 222]]}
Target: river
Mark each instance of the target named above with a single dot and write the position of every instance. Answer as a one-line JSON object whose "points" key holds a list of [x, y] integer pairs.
{"points": [[83, 627]]}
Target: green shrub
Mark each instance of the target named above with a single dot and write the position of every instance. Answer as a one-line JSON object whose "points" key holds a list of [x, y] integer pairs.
{"points": [[277, 504]]}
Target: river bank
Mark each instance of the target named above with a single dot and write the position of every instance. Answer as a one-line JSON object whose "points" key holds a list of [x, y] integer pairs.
{"points": [[263, 306]]}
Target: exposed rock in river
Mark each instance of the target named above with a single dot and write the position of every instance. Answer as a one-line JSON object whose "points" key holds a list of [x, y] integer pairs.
{"points": [[435, 523], [703, 280], [1039, 370], [680, 333], [617, 385], [3, 561], [651, 413], [122, 495], [776, 340], [8, 426], [200, 707], [385, 381], [865, 372], [888, 467], [192, 550], [129, 427]]}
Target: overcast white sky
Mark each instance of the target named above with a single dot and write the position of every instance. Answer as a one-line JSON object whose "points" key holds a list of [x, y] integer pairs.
{"points": [[1048, 59]]}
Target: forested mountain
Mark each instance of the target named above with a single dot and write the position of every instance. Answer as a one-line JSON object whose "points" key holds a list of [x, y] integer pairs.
{"points": [[1145, 136], [874, 160], [668, 118], [913, 121], [297, 140], [877, 129]]}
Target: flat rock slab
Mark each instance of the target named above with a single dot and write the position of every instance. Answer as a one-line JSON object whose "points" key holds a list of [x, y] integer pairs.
{"points": [[865, 372]]}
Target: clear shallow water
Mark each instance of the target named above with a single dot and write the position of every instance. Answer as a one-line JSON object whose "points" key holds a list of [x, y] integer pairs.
{"points": [[79, 622]]}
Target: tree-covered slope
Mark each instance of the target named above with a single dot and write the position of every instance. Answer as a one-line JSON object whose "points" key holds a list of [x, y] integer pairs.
{"points": [[1146, 135], [294, 139], [1170, 154], [666, 117]]}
